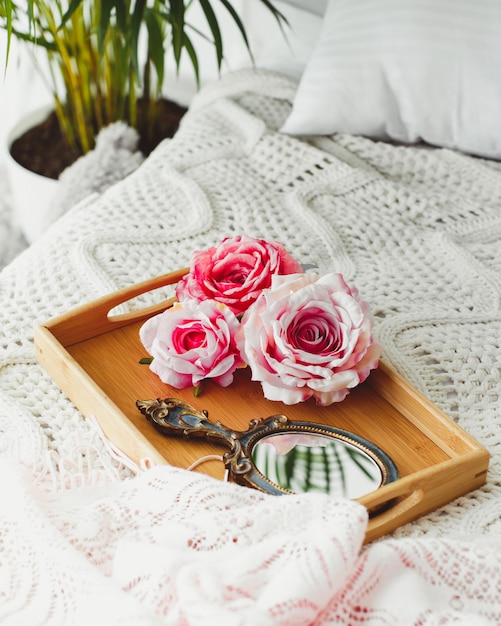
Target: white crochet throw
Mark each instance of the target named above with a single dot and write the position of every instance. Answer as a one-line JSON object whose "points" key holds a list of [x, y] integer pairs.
{"points": [[85, 539]]}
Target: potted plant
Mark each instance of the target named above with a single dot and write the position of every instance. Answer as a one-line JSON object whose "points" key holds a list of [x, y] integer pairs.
{"points": [[105, 60]]}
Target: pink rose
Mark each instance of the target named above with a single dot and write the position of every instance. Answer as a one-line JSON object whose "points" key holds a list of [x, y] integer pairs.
{"points": [[235, 272], [192, 341], [308, 336]]}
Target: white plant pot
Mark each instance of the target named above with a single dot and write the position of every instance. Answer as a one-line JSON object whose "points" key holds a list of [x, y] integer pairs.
{"points": [[31, 193]]}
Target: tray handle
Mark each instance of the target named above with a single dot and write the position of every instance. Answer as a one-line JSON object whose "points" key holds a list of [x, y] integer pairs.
{"points": [[94, 318], [393, 505], [138, 289]]}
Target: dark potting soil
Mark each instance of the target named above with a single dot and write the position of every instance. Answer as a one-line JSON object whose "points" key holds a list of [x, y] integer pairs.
{"points": [[45, 150]]}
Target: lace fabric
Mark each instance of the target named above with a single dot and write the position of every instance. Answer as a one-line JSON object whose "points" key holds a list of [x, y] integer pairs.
{"points": [[86, 540], [176, 547]]}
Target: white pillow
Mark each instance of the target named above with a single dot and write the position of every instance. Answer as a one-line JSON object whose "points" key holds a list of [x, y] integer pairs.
{"points": [[406, 70], [314, 6]]}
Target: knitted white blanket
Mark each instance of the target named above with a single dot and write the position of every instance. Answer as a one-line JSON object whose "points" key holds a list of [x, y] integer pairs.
{"points": [[418, 231]]}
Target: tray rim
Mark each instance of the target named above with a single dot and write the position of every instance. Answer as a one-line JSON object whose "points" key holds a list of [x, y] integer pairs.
{"points": [[402, 498]]}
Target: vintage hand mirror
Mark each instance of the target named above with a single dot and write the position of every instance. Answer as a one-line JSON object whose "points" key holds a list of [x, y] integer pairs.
{"points": [[280, 456]]}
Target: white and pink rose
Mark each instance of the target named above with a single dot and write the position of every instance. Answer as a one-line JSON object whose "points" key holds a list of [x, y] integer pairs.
{"points": [[308, 336], [193, 341]]}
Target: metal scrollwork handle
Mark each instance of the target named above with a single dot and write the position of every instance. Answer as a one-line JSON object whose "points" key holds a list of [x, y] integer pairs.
{"points": [[172, 416]]}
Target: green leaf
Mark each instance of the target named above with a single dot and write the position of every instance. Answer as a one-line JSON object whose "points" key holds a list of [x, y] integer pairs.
{"points": [[327, 469], [198, 389], [8, 21], [307, 478], [122, 13], [104, 22], [146, 360], [42, 43], [74, 4], [136, 21], [340, 467], [176, 18], [279, 16], [357, 458], [156, 48], [214, 27], [290, 461], [31, 14]]}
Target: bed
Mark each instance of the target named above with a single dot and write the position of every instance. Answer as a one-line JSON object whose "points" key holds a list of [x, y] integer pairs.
{"points": [[407, 208]]}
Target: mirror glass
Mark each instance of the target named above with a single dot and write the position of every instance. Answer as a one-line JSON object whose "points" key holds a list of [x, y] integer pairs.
{"points": [[301, 462]]}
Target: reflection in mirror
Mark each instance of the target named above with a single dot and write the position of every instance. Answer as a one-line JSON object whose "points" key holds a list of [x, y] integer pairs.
{"points": [[302, 462]]}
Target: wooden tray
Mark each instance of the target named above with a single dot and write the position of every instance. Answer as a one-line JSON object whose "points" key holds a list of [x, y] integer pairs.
{"points": [[94, 358]]}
